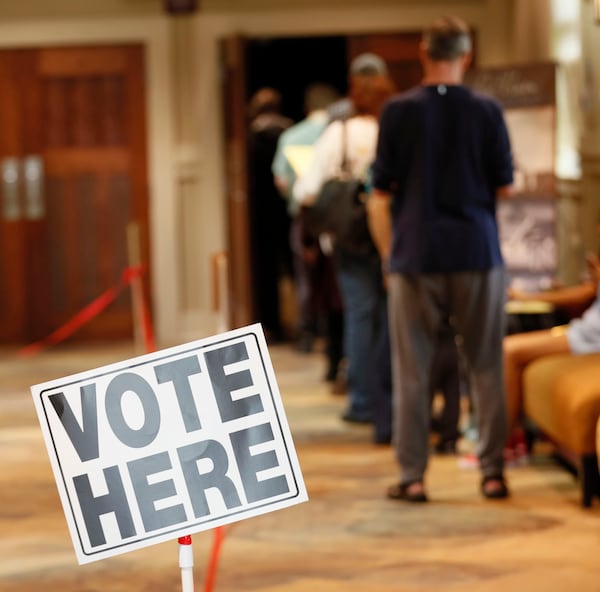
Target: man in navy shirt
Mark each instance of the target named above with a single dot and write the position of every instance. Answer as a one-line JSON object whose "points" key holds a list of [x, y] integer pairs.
{"points": [[443, 158]]}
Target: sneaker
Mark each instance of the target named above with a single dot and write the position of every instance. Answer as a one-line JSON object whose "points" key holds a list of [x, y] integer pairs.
{"points": [[468, 462], [305, 343], [445, 447], [339, 386], [332, 373], [516, 453], [382, 439], [351, 416]]}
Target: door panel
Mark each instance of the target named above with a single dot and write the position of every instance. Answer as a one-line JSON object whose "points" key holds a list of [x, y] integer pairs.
{"points": [[82, 114], [241, 301], [14, 269]]}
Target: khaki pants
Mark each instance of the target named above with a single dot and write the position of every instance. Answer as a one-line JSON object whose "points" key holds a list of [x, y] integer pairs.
{"points": [[417, 304]]}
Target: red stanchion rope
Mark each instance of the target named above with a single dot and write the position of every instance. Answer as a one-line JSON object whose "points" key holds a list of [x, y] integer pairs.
{"points": [[130, 274], [86, 314], [211, 570]]}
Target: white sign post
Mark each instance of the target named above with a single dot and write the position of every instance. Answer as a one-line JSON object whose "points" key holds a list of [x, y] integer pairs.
{"points": [[170, 443]]}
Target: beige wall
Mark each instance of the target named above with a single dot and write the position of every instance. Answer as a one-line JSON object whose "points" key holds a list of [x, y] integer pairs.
{"points": [[184, 105], [590, 139], [57, 9]]}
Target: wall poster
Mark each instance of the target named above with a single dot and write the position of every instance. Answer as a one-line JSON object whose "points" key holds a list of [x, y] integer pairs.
{"points": [[527, 220]]}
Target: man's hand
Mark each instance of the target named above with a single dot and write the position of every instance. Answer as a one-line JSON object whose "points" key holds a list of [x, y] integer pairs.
{"points": [[514, 294], [593, 266], [380, 222], [505, 191]]}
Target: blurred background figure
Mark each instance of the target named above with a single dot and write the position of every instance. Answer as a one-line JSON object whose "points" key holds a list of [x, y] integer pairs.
{"points": [[365, 65], [580, 335], [306, 252], [271, 221], [358, 269]]}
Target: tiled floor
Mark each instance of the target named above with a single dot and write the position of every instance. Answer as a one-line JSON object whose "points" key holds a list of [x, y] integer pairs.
{"points": [[347, 537]]}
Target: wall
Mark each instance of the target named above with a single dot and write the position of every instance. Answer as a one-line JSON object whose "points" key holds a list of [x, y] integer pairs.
{"points": [[590, 138], [185, 135]]}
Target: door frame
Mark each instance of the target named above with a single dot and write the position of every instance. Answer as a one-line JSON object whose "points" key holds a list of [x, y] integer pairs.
{"points": [[153, 34], [242, 308]]}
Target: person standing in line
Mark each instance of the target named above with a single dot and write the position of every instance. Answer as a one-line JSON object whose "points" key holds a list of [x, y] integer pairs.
{"points": [[270, 221], [358, 269], [365, 65], [366, 69], [310, 263], [443, 158]]}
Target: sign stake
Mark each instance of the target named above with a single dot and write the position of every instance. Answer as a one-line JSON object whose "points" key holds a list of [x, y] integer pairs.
{"points": [[186, 563]]}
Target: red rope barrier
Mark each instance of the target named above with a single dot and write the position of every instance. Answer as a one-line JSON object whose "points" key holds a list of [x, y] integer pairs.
{"points": [[146, 321], [87, 313], [211, 571]]}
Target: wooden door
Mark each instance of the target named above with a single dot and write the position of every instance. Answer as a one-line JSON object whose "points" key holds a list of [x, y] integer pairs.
{"points": [[241, 301], [73, 163]]}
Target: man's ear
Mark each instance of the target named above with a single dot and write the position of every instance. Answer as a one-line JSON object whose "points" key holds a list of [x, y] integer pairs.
{"points": [[423, 52], [466, 60]]}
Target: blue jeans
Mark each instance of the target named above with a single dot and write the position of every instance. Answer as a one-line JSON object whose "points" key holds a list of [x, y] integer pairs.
{"points": [[364, 301]]}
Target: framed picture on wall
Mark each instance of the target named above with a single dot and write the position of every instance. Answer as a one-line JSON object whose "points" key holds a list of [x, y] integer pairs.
{"points": [[527, 228], [527, 221]]}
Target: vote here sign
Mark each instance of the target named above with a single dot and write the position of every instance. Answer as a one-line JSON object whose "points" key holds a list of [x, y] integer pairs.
{"points": [[169, 443]]}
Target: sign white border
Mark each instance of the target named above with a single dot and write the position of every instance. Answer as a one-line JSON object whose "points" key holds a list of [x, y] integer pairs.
{"points": [[66, 459]]}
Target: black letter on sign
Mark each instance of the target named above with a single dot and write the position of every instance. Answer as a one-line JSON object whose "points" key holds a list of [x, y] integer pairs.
{"points": [[115, 501], [84, 439], [147, 493], [223, 384], [118, 386], [198, 483], [250, 464], [179, 372]]}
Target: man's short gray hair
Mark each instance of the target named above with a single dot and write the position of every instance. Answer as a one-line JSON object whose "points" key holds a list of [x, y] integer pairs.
{"points": [[447, 38]]}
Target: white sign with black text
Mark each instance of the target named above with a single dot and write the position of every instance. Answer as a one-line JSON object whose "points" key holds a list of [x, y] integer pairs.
{"points": [[170, 443]]}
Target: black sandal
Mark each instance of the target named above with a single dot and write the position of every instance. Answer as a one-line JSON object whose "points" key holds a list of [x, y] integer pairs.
{"points": [[498, 492], [400, 491]]}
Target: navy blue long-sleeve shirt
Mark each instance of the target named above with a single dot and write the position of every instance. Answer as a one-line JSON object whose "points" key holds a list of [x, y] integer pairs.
{"points": [[442, 153]]}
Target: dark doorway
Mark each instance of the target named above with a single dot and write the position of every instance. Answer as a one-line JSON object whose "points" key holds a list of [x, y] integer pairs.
{"points": [[288, 64], [291, 64]]}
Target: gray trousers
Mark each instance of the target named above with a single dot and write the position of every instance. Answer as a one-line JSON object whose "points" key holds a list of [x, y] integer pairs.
{"points": [[417, 304]]}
